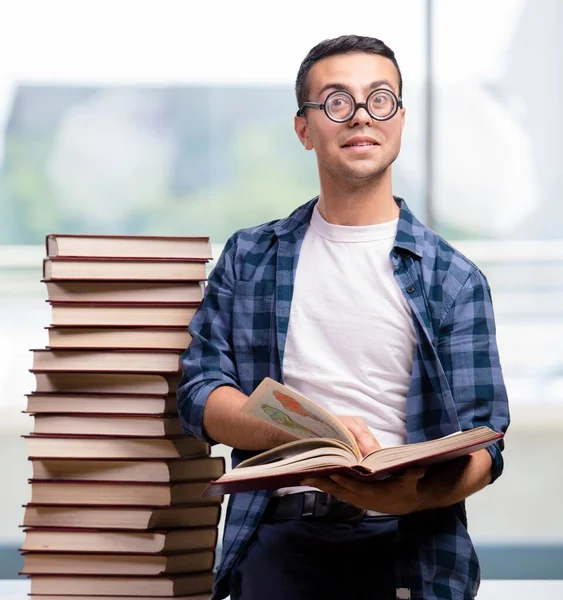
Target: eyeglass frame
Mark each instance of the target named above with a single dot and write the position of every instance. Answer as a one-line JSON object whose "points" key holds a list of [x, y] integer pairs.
{"points": [[357, 105]]}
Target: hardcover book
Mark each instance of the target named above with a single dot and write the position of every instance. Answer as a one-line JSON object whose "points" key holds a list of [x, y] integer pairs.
{"points": [[127, 246], [136, 587], [325, 446], [124, 269]]}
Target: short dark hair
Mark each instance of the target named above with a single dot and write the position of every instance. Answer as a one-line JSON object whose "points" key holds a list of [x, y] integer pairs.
{"points": [[345, 44]]}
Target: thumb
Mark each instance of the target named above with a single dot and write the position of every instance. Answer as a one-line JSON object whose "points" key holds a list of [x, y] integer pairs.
{"points": [[415, 473]]}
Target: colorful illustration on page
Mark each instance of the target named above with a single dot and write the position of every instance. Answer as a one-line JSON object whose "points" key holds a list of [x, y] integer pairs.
{"points": [[293, 405], [279, 417]]}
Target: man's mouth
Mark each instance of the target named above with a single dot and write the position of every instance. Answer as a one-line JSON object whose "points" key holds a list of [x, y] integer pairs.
{"points": [[360, 141], [359, 144]]}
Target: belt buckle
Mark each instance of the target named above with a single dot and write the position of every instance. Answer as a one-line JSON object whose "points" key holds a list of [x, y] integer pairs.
{"points": [[357, 516]]}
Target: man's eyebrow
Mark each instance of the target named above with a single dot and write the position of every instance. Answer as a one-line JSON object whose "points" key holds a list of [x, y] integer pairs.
{"points": [[342, 86]]}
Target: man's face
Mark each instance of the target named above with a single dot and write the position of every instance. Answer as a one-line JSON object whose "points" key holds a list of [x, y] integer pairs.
{"points": [[358, 73]]}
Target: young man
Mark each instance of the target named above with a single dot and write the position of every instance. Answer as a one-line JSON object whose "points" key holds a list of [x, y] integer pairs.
{"points": [[354, 303]]}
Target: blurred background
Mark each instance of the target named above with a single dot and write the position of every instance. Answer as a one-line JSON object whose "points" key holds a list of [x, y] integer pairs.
{"points": [[176, 118]]}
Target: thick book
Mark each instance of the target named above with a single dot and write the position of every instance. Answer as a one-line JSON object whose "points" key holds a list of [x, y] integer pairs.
{"points": [[165, 338], [107, 425], [67, 382], [128, 292], [156, 471], [119, 542], [147, 338], [119, 493], [121, 315], [326, 446], [82, 597], [120, 517], [69, 403], [42, 563], [79, 447], [137, 587], [108, 361], [100, 269], [127, 246]]}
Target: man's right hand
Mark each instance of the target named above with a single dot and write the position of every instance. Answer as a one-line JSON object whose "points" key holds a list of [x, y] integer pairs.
{"points": [[364, 437]]}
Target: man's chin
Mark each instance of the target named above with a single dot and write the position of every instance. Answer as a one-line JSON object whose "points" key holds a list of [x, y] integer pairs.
{"points": [[362, 173]]}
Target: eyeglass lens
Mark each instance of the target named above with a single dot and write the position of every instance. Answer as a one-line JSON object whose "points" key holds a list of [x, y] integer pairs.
{"points": [[340, 105]]}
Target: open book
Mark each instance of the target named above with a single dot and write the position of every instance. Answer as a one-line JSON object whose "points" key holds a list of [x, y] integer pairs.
{"points": [[325, 446]]}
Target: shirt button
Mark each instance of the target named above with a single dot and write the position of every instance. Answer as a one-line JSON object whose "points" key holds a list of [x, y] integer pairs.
{"points": [[410, 290]]}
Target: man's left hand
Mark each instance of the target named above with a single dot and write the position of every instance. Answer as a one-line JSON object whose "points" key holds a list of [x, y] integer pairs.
{"points": [[397, 495]]}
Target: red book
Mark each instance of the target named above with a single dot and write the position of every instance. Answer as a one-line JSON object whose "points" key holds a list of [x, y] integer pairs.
{"points": [[78, 314], [127, 246], [138, 269], [130, 587], [326, 446], [135, 292], [114, 360]]}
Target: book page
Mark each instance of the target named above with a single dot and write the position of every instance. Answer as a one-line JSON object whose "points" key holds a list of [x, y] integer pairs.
{"points": [[459, 443], [293, 413], [294, 451], [306, 461]]}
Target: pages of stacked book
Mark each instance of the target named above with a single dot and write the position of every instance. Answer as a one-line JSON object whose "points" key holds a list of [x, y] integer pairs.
{"points": [[122, 542], [105, 383], [128, 246], [51, 597], [116, 564], [121, 315], [107, 425], [166, 338], [138, 587], [150, 405], [174, 470], [100, 269], [169, 292], [115, 360], [44, 446], [117, 493], [117, 517]]}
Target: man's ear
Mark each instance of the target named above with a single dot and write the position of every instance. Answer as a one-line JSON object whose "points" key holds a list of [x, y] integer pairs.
{"points": [[302, 131]]}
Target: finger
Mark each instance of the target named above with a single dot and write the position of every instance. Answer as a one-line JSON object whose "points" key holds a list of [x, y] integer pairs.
{"points": [[325, 484], [349, 484], [367, 442], [364, 437], [414, 473]]}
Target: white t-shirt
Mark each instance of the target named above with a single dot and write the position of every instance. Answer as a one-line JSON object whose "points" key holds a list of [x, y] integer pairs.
{"points": [[351, 340]]}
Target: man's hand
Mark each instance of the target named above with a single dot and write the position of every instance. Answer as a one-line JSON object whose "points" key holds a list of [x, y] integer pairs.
{"points": [[364, 437], [397, 495], [416, 489]]}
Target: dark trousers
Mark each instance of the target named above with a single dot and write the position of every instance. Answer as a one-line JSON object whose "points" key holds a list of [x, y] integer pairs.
{"points": [[319, 560]]}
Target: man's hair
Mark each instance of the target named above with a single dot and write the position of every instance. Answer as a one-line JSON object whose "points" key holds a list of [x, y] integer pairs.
{"points": [[345, 44]]}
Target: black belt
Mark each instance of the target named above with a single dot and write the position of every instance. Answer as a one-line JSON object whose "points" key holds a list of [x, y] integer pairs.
{"points": [[311, 505]]}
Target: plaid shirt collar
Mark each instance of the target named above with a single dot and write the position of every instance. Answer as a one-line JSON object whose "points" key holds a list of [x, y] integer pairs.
{"points": [[410, 232]]}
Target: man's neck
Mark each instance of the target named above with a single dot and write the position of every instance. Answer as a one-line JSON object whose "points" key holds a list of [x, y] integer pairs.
{"points": [[367, 204]]}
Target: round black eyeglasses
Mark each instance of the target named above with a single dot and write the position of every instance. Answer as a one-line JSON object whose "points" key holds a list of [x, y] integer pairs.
{"points": [[341, 106]]}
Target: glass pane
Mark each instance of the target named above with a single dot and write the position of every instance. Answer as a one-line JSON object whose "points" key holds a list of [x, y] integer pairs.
{"points": [[498, 184]]}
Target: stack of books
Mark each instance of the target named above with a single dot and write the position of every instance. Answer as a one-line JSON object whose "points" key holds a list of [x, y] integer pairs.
{"points": [[116, 496]]}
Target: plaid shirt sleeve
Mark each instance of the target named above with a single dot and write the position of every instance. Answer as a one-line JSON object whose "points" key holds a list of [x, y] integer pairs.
{"points": [[468, 351], [208, 363]]}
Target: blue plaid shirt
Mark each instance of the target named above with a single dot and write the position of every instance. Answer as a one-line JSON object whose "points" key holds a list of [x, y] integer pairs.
{"points": [[239, 335]]}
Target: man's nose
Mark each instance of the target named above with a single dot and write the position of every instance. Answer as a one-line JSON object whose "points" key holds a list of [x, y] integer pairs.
{"points": [[361, 116]]}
